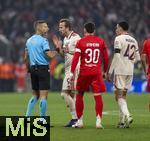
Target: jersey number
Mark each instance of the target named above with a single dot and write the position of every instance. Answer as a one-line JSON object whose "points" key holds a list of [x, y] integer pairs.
{"points": [[130, 52], [93, 55]]}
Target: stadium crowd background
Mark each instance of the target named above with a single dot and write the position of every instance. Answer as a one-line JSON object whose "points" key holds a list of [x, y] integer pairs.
{"points": [[16, 25]]}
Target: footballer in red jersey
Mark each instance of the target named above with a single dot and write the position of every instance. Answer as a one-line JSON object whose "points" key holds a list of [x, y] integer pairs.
{"points": [[91, 51], [146, 61]]}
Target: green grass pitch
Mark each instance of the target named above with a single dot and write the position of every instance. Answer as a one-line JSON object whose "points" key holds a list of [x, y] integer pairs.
{"points": [[15, 104]]}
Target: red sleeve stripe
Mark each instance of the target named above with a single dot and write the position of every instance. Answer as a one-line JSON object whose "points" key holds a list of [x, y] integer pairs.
{"points": [[78, 50]]}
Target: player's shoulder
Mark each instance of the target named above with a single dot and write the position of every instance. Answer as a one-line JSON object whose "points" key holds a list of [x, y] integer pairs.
{"points": [[38, 37], [99, 40], [43, 38], [131, 39], [119, 37], [30, 39], [82, 40], [147, 41], [75, 36], [125, 37]]}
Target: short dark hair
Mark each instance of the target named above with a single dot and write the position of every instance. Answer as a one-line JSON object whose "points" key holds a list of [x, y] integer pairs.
{"points": [[67, 23], [38, 22], [90, 27], [124, 25]]}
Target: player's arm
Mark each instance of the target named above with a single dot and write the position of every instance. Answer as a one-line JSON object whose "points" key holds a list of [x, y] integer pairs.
{"points": [[50, 53], [137, 57], [105, 57], [105, 60], [144, 57], [26, 60], [75, 60], [74, 64], [71, 50], [46, 48], [58, 45], [116, 58]]}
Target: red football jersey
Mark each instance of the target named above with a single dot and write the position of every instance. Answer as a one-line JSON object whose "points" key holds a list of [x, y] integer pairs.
{"points": [[146, 50], [92, 51]]}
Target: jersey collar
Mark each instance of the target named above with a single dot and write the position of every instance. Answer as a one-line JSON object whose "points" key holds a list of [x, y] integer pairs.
{"points": [[70, 34]]}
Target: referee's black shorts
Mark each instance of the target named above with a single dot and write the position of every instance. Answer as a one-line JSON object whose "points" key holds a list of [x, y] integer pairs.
{"points": [[40, 77]]}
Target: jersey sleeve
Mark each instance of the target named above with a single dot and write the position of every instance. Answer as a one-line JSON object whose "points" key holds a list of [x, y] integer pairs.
{"points": [[105, 56], [46, 45], [74, 42], [78, 47], [117, 43], [144, 51], [137, 54], [116, 57], [76, 57]]}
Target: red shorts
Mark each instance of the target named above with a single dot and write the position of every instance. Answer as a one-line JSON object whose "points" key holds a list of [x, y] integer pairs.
{"points": [[95, 81]]}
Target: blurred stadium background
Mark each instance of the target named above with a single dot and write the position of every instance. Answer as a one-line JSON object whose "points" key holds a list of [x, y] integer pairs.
{"points": [[16, 25]]}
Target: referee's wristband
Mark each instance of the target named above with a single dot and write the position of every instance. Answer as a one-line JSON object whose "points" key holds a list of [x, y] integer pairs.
{"points": [[58, 50]]}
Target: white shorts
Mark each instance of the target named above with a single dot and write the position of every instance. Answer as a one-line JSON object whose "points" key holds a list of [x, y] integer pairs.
{"points": [[123, 81], [66, 85]]}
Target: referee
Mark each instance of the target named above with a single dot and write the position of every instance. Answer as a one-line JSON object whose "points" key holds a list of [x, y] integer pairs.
{"points": [[37, 54]]}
